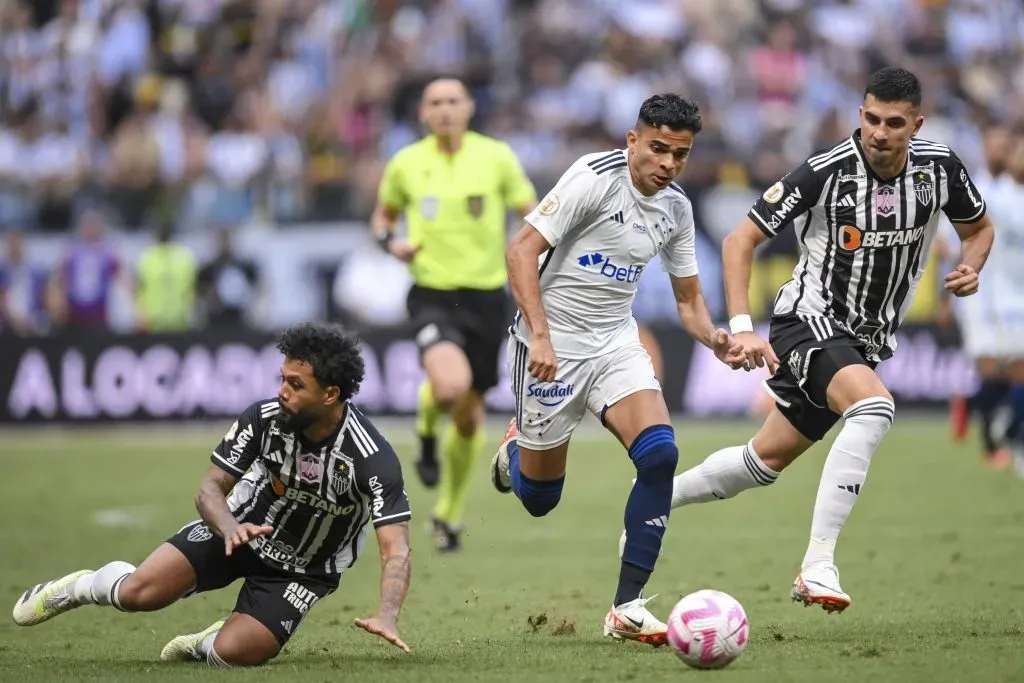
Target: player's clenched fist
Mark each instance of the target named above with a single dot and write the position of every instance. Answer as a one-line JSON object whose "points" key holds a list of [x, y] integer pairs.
{"points": [[542, 362], [963, 281], [757, 351], [242, 534]]}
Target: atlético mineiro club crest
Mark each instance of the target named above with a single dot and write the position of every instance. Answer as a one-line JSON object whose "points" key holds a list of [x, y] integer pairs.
{"points": [[341, 475], [885, 201], [923, 189]]}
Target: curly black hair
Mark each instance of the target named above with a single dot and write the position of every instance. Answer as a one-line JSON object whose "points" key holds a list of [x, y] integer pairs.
{"points": [[330, 350], [893, 84], [672, 111]]}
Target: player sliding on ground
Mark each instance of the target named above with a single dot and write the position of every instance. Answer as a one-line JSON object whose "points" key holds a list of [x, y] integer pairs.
{"points": [[866, 211], [307, 474], [574, 269]]}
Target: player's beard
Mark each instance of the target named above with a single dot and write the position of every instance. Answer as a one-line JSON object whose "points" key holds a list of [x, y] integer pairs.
{"points": [[295, 421]]}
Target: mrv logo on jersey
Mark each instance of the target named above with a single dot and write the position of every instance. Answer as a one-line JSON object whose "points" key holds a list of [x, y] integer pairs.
{"points": [[550, 394], [609, 269]]}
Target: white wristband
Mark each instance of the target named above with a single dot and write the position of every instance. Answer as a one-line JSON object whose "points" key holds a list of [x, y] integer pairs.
{"points": [[741, 323]]}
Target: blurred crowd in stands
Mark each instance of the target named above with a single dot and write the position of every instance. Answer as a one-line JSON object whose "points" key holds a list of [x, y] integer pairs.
{"points": [[206, 115]]}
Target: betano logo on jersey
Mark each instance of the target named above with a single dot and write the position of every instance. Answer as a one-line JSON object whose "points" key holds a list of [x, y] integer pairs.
{"points": [[610, 270], [853, 238], [311, 499]]}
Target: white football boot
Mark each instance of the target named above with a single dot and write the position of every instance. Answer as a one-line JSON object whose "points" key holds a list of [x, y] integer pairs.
{"points": [[46, 600], [183, 648], [633, 621], [500, 476], [819, 585]]}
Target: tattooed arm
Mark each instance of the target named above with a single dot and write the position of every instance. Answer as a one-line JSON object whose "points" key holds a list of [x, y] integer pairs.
{"points": [[396, 570]]}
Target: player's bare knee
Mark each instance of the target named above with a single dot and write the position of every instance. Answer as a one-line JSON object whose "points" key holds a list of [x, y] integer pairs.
{"points": [[468, 414], [233, 655], [445, 394], [237, 649], [853, 384], [778, 443]]}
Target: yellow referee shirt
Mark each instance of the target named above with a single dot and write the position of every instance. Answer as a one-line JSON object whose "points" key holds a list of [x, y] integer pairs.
{"points": [[455, 208]]}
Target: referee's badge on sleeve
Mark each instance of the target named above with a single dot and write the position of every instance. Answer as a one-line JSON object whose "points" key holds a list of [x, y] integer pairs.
{"points": [[475, 204], [428, 207]]}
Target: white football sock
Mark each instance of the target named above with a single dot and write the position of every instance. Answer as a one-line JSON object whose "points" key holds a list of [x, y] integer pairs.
{"points": [[101, 587], [205, 649], [722, 475], [843, 475], [212, 658]]}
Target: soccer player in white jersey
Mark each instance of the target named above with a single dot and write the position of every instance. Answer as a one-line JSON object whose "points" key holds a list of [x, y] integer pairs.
{"points": [[1007, 282], [867, 211], [574, 346], [976, 320]]}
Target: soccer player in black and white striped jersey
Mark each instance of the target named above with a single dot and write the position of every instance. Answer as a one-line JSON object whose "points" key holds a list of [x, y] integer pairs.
{"points": [[308, 476], [865, 213]]}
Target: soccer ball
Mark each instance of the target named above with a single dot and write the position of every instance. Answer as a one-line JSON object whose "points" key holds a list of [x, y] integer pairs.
{"points": [[708, 629]]}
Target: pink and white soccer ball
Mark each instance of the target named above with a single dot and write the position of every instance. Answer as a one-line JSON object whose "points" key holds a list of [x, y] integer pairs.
{"points": [[708, 629]]}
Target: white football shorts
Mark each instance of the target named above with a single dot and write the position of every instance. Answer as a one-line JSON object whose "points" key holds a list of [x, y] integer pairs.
{"points": [[547, 413], [989, 329]]}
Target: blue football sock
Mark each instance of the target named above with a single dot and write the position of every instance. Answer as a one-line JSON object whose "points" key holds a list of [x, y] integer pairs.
{"points": [[538, 497], [1016, 430], [992, 393], [655, 456]]}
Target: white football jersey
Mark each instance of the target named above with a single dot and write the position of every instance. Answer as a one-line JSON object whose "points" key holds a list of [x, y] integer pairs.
{"points": [[1002, 278], [603, 233]]}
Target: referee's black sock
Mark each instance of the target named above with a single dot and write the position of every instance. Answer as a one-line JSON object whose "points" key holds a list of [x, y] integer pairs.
{"points": [[428, 449]]}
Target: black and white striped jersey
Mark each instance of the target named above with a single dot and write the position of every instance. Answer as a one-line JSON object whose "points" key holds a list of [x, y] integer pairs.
{"points": [[320, 498], [864, 241]]}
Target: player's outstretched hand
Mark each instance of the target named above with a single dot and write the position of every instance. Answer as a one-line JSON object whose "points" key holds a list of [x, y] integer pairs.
{"points": [[402, 250], [242, 534], [542, 362], [963, 281], [757, 352], [727, 350], [385, 628]]}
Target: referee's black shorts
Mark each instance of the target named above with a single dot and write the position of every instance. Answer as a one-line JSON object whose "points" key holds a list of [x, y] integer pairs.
{"points": [[811, 350], [476, 320]]}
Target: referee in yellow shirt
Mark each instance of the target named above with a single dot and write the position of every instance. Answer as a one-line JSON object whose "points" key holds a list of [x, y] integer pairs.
{"points": [[455, 188]]}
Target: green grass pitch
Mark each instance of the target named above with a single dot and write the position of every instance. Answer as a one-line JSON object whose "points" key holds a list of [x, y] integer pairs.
{"points": [[933, 557]]}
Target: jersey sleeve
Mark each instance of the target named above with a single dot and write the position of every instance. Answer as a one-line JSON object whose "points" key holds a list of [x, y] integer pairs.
{"points": [[516, 189], [392, 192], [572, 202], [241, 444], [679, 254], [786, 200], [965, 203], [383, 482]]}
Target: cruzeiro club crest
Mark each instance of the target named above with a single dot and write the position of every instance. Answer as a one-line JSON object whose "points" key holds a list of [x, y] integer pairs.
{"points": [[341, 475]]}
